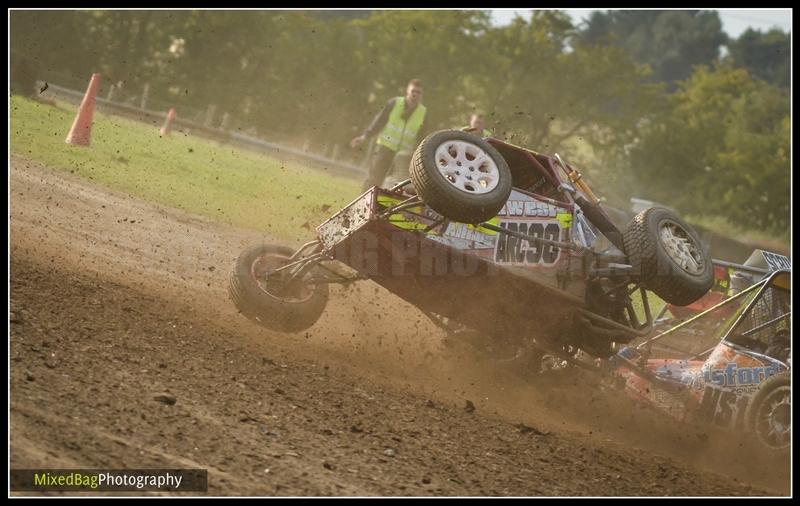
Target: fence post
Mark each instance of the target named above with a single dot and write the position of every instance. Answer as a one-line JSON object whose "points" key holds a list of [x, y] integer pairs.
{"points": [[165, 130], [111, 91], [145, 94]]}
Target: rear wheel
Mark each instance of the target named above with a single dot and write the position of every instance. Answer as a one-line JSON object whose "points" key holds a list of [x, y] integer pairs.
{"points": [[267, 297], [667, 256], [460, 176]]}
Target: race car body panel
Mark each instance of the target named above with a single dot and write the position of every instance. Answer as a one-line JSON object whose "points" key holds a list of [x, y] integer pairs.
{"points": [[433, 262], [718, 389]]}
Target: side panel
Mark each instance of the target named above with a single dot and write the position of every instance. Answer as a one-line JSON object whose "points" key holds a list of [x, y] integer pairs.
{"points": [[726, 384], [347, 221], [714, 392], [523, 213], [678, 373], [438, 278], [481, 277]]}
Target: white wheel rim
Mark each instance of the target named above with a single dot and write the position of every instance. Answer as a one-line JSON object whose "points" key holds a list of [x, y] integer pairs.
{"points": [[681, 248], [467, 167]]}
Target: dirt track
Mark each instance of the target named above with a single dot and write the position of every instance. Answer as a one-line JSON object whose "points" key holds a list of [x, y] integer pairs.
{"points": [[115, 300]]}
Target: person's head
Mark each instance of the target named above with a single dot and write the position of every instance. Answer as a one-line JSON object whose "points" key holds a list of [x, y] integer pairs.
{"points": [[414, 92], [476, 122]]}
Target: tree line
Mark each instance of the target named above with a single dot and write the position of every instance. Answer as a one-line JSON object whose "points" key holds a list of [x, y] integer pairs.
{"points": [[655, 104]]}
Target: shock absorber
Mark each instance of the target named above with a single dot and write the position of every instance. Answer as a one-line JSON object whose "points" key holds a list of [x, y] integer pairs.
{"points": [[591, 206], [576, 178]]}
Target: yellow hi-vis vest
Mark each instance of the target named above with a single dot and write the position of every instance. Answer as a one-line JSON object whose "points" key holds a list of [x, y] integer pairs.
{"points": [[400, 135]]}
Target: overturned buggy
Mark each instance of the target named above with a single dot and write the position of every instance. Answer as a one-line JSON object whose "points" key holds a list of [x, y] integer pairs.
{"points": [[491, 237]]}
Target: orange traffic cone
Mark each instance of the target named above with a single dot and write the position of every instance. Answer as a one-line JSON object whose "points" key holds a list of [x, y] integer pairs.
{"points": [[81, 132], [168, 123]]}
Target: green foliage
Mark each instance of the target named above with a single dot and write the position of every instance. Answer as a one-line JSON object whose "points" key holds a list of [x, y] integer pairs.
{"points": [[670, 42], [766, 55], [717, 146], [554, 89], [298, 77], [723, 148], [771, 240]]}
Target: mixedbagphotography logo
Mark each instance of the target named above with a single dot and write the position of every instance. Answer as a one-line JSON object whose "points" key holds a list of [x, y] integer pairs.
{"points": [[99, 480]]}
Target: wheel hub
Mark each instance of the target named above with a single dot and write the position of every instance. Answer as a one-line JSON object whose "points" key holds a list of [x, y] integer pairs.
{"points": [[774, 424], [275, 284], [780, 418], [483, 175], [681, 248]]}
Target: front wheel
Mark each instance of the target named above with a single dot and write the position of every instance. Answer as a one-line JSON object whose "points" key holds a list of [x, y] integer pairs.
{"points": [[769, 415], [667, 256], [266, 296]]}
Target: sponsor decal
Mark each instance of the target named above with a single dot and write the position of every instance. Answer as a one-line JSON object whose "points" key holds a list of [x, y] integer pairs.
{"points": [[681, 371], [465, 236], [565, 219], [530, 208], [776, 261], [513, 250], [732, 375], [727, 393], [722, 407], [406, 220]]}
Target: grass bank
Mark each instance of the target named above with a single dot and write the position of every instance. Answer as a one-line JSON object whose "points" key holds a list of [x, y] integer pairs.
{"points": [[231, 185]]}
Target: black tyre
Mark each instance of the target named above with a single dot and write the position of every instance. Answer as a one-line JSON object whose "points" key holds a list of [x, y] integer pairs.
{"points": [[460, 176], [768, 416], [668, 257], [268, 300]]}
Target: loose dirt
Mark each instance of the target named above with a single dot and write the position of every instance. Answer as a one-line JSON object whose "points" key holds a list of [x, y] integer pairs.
{"points": [[119, 307]]}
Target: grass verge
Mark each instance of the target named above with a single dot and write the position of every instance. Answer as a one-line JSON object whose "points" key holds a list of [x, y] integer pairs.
{"points": [[233, 186]]}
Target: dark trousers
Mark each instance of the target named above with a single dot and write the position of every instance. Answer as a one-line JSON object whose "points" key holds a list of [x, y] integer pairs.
{"points": [[382, 159]]}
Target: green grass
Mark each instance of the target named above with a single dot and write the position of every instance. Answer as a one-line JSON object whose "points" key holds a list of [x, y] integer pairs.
{"points": [[723, 227], [230, 185], [654, 301]]}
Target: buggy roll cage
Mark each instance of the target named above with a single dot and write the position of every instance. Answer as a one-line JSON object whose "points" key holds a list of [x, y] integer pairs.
{"points": [[760, 286], [639, 364]]}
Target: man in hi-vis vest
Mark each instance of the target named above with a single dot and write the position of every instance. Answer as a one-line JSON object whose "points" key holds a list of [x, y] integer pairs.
{"points": [[401, 125]]}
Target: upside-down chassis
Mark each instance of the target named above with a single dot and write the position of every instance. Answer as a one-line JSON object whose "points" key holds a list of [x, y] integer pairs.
{"points": [[469, 289]]}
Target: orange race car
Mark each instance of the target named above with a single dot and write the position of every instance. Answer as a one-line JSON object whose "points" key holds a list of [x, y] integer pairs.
{"points": [[737, 378]]}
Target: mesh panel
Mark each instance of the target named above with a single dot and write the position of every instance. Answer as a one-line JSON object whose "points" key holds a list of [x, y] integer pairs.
{"points": [[763, 321]]}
